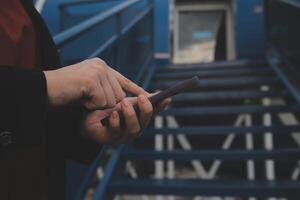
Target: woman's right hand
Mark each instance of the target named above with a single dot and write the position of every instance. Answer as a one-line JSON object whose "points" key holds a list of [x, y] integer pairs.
{"points": [[91, 81]]}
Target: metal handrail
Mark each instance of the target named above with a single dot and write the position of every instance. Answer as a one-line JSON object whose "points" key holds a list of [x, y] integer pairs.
{"points": [[292, 3], [122, 30], [112, 163], [80, 2], [69, 35]]}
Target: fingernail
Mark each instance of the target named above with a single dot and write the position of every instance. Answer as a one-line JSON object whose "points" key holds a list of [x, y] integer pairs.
{"points": [[125, 103], [115, 114], [143, 99]]}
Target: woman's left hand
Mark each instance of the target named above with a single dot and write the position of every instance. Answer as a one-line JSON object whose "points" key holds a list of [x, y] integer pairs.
{"points": [[135, 122]]}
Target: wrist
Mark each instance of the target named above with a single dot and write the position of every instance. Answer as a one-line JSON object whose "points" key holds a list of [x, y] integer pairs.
{"points": [[52, 87]]}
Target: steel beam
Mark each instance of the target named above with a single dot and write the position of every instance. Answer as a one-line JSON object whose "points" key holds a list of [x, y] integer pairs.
{"points": [[282, 154], [215, 73], [193, 187], [232, 82], [220, 130], [229, 95], [214, 65], [226, 110]]}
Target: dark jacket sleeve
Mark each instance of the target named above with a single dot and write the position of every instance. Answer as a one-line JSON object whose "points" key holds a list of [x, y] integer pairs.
{"points": [[23, 102], [64, 127]]}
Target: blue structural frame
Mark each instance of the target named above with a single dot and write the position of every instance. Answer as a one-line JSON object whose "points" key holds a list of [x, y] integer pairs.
{"points": [[243, 78], [64, 38], [250, 29], [162, 38]]}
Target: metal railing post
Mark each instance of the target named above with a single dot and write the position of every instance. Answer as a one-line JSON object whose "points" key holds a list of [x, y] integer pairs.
{"points": [[118, 55]]}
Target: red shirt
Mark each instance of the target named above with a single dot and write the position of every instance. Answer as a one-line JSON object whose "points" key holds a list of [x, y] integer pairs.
{"points": [[17, 36]]}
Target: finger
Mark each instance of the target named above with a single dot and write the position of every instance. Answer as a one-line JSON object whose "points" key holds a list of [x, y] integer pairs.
{"points": [[100, 134], [127, 84], [118, 107], [109, 93], [162, 105], [97, 98], [131, 120], [119, 93], [146, 109], [105, 135], [114, 123]]}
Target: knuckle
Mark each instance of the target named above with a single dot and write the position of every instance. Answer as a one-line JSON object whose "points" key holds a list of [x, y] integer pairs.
{"points": [[148, 111], [90, 74], [126, 83], [97, 65], [89, 83], [103, 103], [98, 61], [131, 114], [135, 131], [120, 96], [111, 104], [123, 95]]}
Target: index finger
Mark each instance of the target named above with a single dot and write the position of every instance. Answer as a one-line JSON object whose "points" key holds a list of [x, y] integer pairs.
{"points": [[128, 85]]}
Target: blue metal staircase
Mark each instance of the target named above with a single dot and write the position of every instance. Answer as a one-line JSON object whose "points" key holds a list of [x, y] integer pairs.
{"points": [[117, 180], [236, 134]]}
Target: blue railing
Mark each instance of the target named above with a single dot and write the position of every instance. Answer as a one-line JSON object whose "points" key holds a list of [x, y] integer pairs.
{"points": [[114, 35], [124, 33], [129, 45]]}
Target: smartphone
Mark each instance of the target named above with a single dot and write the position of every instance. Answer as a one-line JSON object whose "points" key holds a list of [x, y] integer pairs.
{"points": [[157, 98]]}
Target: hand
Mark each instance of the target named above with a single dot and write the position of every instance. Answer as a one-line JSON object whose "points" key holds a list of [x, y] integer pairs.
{"points": [[135, 122], [91, 81]]}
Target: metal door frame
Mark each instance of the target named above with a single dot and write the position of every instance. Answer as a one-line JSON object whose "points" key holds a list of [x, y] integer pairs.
{"points": [[223, 6]]}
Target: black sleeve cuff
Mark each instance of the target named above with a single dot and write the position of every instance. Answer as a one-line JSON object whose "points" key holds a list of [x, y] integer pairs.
{"points": [[31, 100], [64, 133]]}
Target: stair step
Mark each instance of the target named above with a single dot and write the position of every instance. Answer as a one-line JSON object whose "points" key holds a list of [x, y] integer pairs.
{"points": [[217, 130], [212, 66], [282, 154], [214, 73], [232, 82], [229, 95], [193, 187], [226, 110]]}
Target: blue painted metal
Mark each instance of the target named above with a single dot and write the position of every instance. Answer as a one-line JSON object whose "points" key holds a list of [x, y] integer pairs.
{"points": [[213, 66], [229, 95], [227, 110], [196, 187], [232, 82], [295, 3], [216, 73], [101, 189], [261, 76], [274, 63], [221, 130], [281, 154], [90, 175], [123, 31], [251, 42], [74, 32], [83, 2], [162, 26]]}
